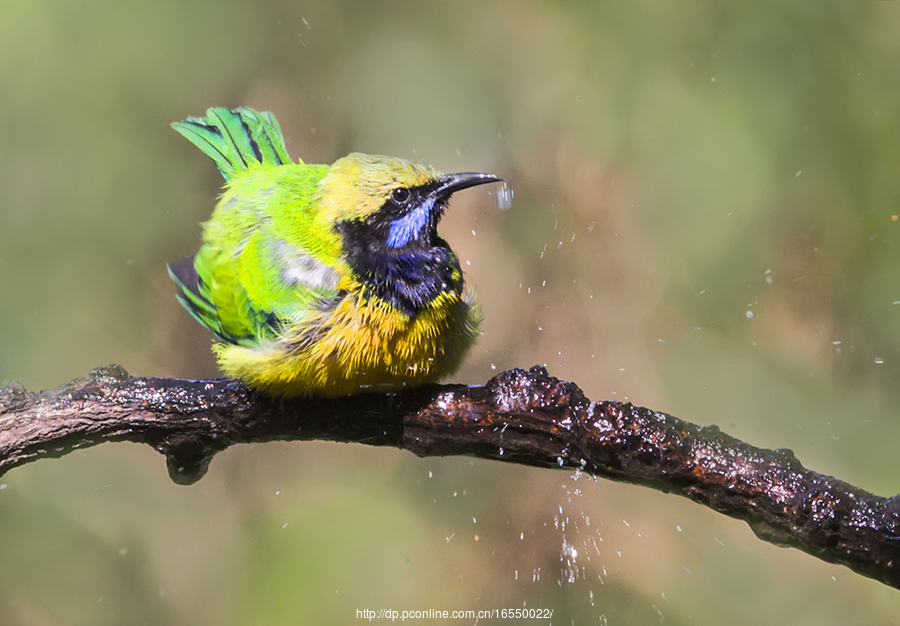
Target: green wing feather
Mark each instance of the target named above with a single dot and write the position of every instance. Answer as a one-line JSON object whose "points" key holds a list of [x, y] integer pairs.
{"points": [[236, 139], [239, 321], [195, 297]]}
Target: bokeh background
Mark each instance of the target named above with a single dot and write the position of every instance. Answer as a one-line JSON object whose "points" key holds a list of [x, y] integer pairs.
{"points": [[705, 223]]}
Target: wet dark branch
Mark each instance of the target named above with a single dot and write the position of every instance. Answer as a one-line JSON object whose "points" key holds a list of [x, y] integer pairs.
{"points": [[521, 417]]}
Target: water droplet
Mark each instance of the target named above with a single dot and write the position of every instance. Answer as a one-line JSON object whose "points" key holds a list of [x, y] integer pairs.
{"points": [[569, 556], [503, 197]]}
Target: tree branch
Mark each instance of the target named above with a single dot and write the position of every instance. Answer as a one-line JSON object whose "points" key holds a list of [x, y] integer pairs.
{"points": [[521, 417]]}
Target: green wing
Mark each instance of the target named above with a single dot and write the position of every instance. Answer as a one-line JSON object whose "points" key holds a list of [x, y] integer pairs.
{"points": [[256, 295], [213, 290], [236, 139], [196, 296]]}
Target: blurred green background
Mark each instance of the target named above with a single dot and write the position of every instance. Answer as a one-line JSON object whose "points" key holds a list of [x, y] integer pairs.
{"points": [[704, 223]]}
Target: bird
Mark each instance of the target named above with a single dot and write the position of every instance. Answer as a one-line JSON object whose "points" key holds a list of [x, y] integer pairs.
{"points": [[325, 280]]}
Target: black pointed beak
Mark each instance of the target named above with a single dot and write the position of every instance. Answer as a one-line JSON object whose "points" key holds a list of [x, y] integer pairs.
{"points": [[451, 183]]}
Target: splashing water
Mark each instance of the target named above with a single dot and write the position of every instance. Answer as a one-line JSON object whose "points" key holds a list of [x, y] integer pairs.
{"points": [[569, 556], [503, 197]]}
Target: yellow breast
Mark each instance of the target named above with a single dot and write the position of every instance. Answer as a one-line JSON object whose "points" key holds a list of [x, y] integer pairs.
{"points": [[359, 345]]}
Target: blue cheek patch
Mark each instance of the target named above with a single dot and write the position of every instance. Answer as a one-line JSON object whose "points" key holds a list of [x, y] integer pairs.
{"points": [[409, 226]]}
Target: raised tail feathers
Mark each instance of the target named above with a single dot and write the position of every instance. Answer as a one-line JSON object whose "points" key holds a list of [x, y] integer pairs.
{"points": [[236, 139]]}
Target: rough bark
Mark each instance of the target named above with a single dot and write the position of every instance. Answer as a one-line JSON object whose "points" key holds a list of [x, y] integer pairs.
{"points": [[521, 417]]}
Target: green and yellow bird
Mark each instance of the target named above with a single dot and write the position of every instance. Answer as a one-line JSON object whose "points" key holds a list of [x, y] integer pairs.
{"points": [[324, 280]]}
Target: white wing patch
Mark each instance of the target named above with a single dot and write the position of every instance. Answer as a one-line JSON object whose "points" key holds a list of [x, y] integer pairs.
{"points": [[301, 269]]}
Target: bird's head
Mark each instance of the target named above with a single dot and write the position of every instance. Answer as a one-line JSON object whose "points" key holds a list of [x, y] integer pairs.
{"points": [[390, 204]]}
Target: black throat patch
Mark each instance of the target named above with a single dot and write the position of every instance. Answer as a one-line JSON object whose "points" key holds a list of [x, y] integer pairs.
{"points": [[409, 277]]}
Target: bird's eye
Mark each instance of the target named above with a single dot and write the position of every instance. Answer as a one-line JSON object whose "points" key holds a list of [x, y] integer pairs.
{"points": [[400, 195]]}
